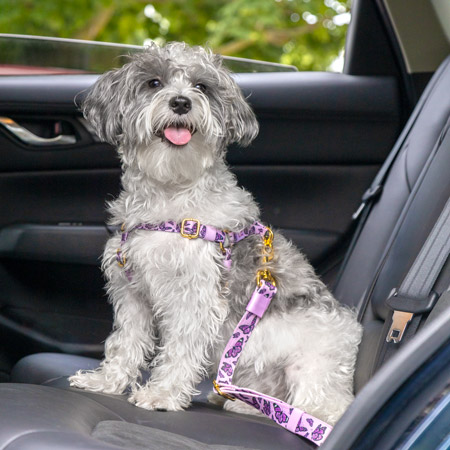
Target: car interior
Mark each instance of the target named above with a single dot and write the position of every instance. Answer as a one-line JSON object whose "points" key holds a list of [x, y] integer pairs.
{"points": [[376, 132]]}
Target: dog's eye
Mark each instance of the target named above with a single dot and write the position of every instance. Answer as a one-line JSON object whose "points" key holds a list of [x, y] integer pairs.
{"points": [[154, 84], [201, 87]]}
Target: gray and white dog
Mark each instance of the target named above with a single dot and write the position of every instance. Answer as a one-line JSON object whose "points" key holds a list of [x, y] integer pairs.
{"points": [[172, 111]]}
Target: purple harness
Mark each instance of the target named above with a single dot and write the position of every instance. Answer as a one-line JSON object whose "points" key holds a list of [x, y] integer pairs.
{"points": [[293, 419]]}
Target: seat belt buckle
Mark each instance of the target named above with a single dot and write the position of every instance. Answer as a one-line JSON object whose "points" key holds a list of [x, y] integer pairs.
{"points": [[400, 320], [399, 302]]}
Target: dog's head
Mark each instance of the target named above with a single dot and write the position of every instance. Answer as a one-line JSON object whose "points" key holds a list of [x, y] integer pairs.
{"points": [[171, 110]]}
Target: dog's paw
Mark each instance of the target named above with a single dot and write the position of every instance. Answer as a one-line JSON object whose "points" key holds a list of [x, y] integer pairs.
{"points": [[98, 381], [241, 408], [216, 399], [156, 399]]}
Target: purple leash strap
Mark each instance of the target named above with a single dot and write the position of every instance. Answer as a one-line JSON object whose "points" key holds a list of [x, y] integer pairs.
{"points": [[293, 419]]}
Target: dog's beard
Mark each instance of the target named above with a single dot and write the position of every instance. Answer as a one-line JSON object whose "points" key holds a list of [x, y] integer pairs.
{"points": [[169, 164]]}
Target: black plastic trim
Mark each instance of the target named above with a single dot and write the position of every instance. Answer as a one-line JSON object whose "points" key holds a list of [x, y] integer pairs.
{"points": [[63, 243], [310, 92]]}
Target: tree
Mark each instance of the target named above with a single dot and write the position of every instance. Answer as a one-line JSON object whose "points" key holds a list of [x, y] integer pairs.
{"points": [[306, 33]]}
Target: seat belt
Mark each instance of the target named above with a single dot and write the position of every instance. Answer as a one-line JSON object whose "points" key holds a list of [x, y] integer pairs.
{"points": [[377, 184], [376, 188], [415, 296], [442, 304]]}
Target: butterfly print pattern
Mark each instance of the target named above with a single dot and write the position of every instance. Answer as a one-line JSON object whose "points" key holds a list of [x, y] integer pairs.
{"points": [[235, 350], [280, 415], [255, 229], [312, 429], [246, 329], [227, 368], [318, 433]]}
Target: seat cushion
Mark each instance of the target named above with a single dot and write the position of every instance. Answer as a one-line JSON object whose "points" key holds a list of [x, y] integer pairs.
{"points": [[132, 436], [42, 368], [63, 417]]}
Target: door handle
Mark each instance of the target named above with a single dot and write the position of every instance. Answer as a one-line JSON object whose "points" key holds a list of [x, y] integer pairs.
{"points": [[30, 138]]}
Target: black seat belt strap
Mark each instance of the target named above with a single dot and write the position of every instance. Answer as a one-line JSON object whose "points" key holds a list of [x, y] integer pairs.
{"points": [[415, 295], [442, 304], [376, 187]]}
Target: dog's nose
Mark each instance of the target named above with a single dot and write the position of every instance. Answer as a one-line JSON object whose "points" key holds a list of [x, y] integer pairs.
{"points": [[180, 105]]}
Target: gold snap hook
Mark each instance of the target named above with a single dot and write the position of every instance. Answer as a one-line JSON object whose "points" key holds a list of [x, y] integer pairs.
{"points": [[265, 275]]}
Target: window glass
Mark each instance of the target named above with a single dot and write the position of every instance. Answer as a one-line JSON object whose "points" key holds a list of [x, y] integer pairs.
{"points": [[307, 34], [26, 55]]}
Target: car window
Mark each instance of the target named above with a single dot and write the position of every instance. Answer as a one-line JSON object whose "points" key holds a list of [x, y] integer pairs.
{"points": [[31, 55], [306, 34]]}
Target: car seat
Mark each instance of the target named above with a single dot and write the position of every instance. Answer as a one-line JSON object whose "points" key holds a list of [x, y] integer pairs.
{"points": [[46, 413]]}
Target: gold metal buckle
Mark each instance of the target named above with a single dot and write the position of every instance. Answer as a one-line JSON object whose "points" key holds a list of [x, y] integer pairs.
{"points": [[190, 236], [400, 320], [223, 394], [265, 275], [124, 260]]}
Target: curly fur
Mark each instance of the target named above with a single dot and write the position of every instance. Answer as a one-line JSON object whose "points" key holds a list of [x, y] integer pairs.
{"points": [[181, 305]]}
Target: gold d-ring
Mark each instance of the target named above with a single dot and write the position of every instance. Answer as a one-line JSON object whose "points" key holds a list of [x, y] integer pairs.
{"points": [[223, 394]]}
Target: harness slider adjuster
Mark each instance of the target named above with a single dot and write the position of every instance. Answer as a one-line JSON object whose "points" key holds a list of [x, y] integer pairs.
{"points": [[189, 235]]}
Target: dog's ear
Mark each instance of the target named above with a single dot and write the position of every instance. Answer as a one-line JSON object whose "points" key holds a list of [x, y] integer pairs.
{"points": [[242, 126], [101, 107]]}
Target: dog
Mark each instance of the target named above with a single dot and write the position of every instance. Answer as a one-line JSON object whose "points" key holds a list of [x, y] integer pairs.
{"points": [[171, 112]]}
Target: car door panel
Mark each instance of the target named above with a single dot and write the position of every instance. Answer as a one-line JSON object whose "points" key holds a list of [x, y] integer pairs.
{"points": [[322, 138]]}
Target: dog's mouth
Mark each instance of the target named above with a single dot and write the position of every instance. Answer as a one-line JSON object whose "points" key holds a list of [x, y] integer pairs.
{"points": [[178, 135]]}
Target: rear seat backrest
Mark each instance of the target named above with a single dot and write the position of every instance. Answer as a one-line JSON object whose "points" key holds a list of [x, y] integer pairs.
{"points": [[415, 191]]}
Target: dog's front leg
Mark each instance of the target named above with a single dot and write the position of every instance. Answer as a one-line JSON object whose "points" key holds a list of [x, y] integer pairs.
{"points": [[127, 347], [189, 327]]}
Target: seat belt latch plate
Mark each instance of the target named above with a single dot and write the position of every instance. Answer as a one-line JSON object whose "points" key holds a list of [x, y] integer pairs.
{"points": [[400, 320]]}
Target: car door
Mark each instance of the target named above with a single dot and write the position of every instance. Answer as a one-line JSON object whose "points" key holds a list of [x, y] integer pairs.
{"points": [[322, 138]]}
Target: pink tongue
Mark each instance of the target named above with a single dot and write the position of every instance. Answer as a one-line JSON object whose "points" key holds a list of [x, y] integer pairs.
{"points": [[178, 136]]}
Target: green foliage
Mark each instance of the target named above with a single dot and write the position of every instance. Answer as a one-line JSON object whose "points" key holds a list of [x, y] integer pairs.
{"points": [[297, 32]]}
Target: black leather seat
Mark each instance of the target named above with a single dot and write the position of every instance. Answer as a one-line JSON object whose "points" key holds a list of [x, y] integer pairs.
{"points": [[55, 416]]}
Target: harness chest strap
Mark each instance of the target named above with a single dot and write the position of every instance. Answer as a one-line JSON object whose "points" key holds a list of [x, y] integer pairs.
{"points": [[193, 229]]}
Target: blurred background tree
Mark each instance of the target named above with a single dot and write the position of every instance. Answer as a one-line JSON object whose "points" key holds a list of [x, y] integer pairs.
{"points": [[309, 34]]}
